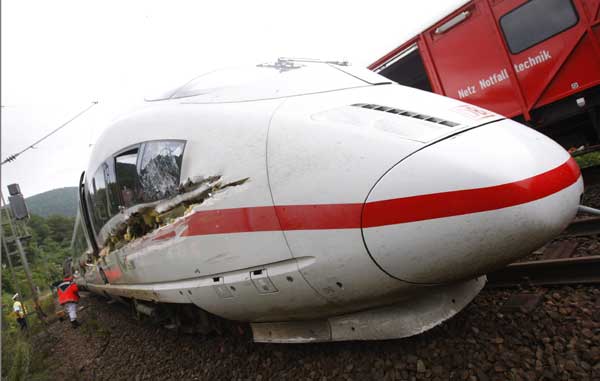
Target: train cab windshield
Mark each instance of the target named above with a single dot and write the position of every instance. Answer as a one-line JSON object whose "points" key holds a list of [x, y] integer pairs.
{"points": [[268, 81]]}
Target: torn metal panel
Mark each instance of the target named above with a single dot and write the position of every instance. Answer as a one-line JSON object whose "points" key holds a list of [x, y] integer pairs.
{"points": [[196, 195], [141, 220]]}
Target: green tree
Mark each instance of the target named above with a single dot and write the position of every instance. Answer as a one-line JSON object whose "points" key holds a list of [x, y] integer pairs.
{"points": [[46, 251], [39, 228], [61, 228]]}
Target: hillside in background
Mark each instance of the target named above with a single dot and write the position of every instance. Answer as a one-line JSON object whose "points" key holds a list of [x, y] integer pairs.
{"points": [[61, 201]]}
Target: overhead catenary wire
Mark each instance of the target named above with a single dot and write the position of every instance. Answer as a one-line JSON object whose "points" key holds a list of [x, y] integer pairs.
{"points": [[32, 145]]}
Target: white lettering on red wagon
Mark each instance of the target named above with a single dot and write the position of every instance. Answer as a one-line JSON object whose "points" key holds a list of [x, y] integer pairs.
{"points": [[502, 75], [533, 61], [463, 93], [493, 79]]}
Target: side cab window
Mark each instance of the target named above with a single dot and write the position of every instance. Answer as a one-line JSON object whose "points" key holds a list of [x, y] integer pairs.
{"points": [[97, 195], [140, 174], [100, 197], [128, 184]]}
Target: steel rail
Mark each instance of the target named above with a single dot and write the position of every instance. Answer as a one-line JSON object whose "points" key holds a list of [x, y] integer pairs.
{"points": [[586, 150], [569, 271], [584, 226]]}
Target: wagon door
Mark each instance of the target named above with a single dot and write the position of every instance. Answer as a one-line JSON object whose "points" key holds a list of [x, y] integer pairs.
{"points": [[553, 47], [470, 61]]}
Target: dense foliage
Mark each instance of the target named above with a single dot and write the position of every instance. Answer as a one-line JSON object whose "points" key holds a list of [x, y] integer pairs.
{"points": [[588, 160], [46, 250], [61, 201]]}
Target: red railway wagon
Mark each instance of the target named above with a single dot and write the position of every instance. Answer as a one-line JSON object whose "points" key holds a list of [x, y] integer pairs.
{"points": [[536, 61]]}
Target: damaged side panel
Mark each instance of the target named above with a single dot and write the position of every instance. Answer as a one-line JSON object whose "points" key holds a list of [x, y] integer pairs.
{"points": [[144, 219], [196, 242], [167, 231]]}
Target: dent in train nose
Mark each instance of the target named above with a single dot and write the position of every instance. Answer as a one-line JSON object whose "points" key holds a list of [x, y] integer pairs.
{"points": [[470, 204]]}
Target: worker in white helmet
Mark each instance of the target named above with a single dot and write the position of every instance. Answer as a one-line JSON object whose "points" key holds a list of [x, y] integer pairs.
{"points": [[20, 312]]}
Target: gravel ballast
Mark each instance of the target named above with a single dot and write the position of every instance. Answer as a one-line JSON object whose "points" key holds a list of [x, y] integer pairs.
{"points": [[558, 340]]}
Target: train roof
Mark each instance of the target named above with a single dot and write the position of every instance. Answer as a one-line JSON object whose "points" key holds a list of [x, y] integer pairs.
{"points": [[284, 78]]}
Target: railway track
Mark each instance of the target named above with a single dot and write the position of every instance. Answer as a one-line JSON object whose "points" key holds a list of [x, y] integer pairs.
{"points": [[557, 271], [567, 271], [584, 226]]}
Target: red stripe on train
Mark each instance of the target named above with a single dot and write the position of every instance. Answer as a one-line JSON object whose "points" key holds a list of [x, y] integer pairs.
{"points": [[456, 203], [385, 212]]}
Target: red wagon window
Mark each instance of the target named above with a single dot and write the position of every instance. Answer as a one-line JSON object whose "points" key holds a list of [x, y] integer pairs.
{"points": [[536, 21]]}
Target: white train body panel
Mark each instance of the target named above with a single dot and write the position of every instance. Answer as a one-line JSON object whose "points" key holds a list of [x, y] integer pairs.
{"points": [[344, 207], [487, 207]]}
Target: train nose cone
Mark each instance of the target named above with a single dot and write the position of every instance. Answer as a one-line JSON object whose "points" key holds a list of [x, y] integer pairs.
{"points": [[470, 204]]}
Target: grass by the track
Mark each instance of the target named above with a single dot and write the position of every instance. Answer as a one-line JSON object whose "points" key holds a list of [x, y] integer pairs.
{"points": [[588, 160]]}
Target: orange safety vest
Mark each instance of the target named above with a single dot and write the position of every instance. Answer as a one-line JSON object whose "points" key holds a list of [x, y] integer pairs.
{"points": [[68, 292]]}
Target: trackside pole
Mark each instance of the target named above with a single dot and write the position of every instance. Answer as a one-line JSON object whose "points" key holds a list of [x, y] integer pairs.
{"points": [[12, 270], [34, 292]]}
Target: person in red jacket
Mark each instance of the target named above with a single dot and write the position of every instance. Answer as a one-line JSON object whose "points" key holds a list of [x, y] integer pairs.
{"points": [[68, 296]]}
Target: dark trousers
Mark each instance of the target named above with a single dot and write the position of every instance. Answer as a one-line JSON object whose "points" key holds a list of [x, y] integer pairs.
{"points": [[22, 322]]}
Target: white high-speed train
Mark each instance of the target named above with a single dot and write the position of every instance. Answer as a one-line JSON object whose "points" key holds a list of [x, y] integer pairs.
{"points": [[316, 201]]}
